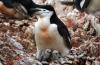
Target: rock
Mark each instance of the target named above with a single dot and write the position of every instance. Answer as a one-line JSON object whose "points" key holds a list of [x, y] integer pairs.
{"points": [[44, 55], [15, 43], [45, 63], [95, 23], [55, 55]]}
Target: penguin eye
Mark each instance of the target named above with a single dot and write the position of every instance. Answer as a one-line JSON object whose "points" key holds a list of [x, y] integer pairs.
{"points": [[44, 10]]}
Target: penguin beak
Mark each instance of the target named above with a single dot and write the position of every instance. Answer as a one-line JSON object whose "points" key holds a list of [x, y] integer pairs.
{"points": [[34, 10]]}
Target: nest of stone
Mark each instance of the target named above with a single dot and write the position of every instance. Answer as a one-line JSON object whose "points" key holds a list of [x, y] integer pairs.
{"points": [[17, 46]]}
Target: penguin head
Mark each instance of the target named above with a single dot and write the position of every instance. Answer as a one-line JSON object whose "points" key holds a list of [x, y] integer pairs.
{"points": [[43, 11]]}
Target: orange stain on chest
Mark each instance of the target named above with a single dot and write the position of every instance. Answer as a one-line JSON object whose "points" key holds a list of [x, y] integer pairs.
{"points": [[44, 32], [45, 35]]}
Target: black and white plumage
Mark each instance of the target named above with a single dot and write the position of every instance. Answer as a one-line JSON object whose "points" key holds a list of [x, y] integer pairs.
{"points": [[89, 6], [50, 31], [81, 5]]}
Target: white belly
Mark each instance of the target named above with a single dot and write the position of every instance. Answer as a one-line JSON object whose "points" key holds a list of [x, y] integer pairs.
{"points": [[50, 39]]}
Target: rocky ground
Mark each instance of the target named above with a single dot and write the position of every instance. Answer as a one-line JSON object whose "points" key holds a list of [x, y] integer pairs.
{"points": [[17, 45]]}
